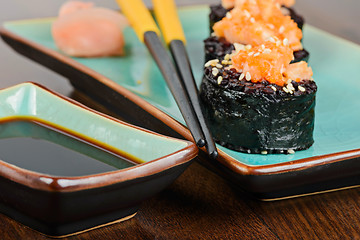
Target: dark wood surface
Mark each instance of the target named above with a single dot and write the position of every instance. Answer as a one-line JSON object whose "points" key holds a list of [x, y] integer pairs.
{"points": [[200, 204]]}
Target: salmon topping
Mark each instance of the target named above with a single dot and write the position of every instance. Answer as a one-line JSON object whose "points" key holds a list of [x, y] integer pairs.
{"points": [[254, 21], [228, 4], [271, 62], [298, 71]]}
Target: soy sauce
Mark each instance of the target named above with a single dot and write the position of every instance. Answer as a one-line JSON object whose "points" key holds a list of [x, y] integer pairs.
{"points": [[44, 149]]}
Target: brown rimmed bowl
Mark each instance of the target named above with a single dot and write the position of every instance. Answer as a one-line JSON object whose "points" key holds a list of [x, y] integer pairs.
{"points": [[141, 163]]}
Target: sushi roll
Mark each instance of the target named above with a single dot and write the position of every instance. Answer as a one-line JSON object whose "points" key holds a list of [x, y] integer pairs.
{"points": [[218, 11], [255, 101], [253, 22]]}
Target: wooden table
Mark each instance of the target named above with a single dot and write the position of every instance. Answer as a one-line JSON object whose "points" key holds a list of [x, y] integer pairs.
{"points": [[200, 204]]}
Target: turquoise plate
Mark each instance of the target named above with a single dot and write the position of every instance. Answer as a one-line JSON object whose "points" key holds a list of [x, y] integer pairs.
{"points": [[136, 78], [66, 197]]}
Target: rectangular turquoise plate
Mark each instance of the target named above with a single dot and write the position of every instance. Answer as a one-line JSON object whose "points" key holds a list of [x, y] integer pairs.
{"points": [[332, 59]]}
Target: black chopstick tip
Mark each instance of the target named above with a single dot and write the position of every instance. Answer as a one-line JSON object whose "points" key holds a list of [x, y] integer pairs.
{"points": [[200, 143], [214, 154]]}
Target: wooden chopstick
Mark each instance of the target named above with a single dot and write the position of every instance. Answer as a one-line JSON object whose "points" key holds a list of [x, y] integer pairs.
{"points": [[172, 31], [147, 31], [184, 69], [168, 71]]}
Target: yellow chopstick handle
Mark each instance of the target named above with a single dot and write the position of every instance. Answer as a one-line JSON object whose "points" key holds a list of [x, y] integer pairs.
{"points": [[138, 16], [168, 20]]}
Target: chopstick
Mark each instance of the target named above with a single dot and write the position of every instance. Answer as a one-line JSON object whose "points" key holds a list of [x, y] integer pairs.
{"points": [[168, 70], [147, 31], [171, 28]]}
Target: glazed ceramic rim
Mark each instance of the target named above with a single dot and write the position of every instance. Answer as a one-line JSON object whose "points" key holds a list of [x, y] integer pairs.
{"points": [[223, 158], [53, 183]]}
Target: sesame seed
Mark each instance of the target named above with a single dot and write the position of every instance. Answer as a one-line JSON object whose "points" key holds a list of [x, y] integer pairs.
{"points": [[226, 62], [285, 89], [262, 46], [281, 29], [273, 88], [285, 41], [248, 76], [218, 65], [290, 151], [264, 152], [267, 50], [227, 57], [215, 71], [219, 80], [250, 53], [241, 76], [278, 43], [239, 47], [252, 20], [248, 47], [212, 62], [301, 88], [247, 14], [228, 15], [290, 87], [271, 26], [256, 54], [271, 39]]}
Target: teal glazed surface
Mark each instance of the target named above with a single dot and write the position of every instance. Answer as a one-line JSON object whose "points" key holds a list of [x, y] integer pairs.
{"points": [[30, 100], [333, 60]]}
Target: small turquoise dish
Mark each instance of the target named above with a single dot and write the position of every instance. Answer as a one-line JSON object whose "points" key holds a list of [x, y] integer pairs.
{"points": [[133, 88], [125, 165]]}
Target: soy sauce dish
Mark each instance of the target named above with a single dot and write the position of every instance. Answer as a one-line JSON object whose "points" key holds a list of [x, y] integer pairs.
{"points": [[65, 168]]}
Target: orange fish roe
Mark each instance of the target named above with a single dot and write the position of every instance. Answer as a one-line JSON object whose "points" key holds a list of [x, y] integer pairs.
{"points": [[270, 61], [232, 3], [254, 21]]}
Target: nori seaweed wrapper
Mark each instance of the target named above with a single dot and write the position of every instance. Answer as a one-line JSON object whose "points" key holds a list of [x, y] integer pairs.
{"points": [[218, 12], [252, 117], [217, 48]]}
